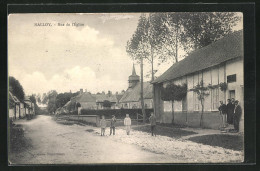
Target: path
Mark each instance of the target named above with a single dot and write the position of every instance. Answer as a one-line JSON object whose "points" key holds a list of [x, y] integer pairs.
{"points": [[72, 144]]}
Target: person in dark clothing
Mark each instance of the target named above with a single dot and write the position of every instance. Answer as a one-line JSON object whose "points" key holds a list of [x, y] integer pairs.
{"points": [[237, 115], [153, 123], [112, 125], [223, 113], [230, 111]]}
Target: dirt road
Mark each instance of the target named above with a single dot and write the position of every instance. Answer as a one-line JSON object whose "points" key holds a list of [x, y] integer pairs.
{"points": [[53, 143]]}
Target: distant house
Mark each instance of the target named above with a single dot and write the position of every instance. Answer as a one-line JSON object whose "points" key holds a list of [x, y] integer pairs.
{"points": [[102, 97], [131, 99], [29, 106], [19, 109], [218, 63], [14, 106]]}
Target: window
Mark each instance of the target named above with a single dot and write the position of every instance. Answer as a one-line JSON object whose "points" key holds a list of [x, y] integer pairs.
{"points": [[231, 78], [196, 102], [215, 97]]}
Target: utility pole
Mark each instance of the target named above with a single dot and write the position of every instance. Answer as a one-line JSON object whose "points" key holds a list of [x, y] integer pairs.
{"points": [[142, 91]]}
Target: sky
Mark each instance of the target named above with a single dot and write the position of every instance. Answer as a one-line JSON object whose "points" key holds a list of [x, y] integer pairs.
{"points": [[65, 58]]}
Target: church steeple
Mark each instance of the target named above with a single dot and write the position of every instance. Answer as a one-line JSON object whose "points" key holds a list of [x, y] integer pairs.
{"points": [[133, 79], [133, 71]]}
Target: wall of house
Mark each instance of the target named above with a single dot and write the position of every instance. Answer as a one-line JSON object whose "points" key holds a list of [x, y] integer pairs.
{"points": [[88, 105], [11, 113], [236, 67], [22, 108], [191, 114]]}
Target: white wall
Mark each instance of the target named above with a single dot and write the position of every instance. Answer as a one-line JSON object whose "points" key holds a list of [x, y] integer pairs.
{"points": [[213, 76]]}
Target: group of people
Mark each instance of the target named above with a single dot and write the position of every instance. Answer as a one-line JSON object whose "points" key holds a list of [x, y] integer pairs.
{"points": [[127, 123], [230, 113]]}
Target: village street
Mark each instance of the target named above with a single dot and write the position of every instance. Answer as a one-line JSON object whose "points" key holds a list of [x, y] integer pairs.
{"points": [[51, 142]]}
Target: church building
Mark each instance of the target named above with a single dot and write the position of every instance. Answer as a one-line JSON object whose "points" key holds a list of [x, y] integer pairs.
{"points": [[132, 97]]}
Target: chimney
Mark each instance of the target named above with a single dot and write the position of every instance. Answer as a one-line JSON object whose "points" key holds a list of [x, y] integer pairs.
{"points": [[109, 93], [86, 90], [103, 92], [81, 91]]}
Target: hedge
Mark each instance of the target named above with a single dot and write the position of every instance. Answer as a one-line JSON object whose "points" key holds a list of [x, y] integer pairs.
{"points": [[119, 113]]}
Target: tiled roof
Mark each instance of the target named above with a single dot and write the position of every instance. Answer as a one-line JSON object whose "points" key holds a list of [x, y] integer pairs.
{"points": [[103, 97], [133, 94], [225, 49], [84, 97], [13, 98]]}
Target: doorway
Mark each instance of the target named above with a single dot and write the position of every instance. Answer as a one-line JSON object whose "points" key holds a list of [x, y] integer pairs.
{"points": [[232, 94]]}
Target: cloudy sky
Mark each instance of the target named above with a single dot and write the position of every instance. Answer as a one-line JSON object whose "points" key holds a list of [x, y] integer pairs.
{"points": [[68, 58], [65, 58]]}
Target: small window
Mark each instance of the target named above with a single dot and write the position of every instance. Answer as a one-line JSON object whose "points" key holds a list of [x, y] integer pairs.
{"points": [[231, 78], [196, 102], [215, 98]]}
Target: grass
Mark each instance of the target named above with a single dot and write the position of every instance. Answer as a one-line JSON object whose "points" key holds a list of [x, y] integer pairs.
{"points": [[18, 142], [233, 142], [165, 131]]}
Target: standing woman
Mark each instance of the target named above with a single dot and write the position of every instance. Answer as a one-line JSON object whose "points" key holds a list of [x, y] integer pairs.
{"points": [[127, 123], [103, 125]]}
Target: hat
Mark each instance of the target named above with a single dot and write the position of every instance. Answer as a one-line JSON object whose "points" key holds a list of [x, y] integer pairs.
{"points": [[113, 115], [236, 101], [127, 114]]}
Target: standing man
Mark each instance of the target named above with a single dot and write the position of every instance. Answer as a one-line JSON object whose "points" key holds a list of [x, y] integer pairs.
{"points": [[223, 113], [230, 111], [152, 120], [237, 115], [112, 125], [127, 123]]}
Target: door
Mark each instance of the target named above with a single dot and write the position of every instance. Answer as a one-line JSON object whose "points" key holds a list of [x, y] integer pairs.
{"points": [[232, 94]]}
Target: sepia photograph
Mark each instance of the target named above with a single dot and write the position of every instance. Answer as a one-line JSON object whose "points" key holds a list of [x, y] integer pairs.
{"points": [[116, 88]]}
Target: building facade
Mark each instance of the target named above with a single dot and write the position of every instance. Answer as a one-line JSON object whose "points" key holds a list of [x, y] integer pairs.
{"points": [[216, 64]]}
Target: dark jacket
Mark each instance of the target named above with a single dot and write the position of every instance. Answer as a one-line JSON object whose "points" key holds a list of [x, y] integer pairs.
{"points": [[152, 120], [237, 112], [230, 108], [113, 122], [223, 109]]}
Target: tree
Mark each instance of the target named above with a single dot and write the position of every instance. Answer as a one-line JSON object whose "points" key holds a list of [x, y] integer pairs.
{"points": [[135, 48], [171, 31], [191, 30], [201, 91], [203, 28], [107, 104], [173, 93], [51, 101], [16, 88]]}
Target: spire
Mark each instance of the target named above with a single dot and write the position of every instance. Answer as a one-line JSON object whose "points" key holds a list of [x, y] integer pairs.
{"points": [[133, 71]]}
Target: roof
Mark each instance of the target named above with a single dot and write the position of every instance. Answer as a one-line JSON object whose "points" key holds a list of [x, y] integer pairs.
{"points": [[227, 48], [133, 94], [103, 97], [13, 98], [84, 97]]}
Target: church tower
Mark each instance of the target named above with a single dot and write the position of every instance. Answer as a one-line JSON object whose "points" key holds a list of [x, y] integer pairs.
{"points": [[133, 79]]}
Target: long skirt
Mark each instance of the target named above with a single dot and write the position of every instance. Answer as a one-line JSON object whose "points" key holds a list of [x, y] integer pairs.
{"points": [[128, 128]]}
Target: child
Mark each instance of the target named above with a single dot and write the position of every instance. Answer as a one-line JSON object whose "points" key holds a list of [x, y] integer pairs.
{"points": [[103, 125], [112, 125], [127, 123]]}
